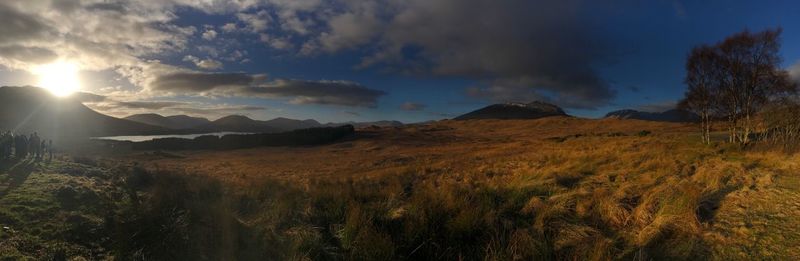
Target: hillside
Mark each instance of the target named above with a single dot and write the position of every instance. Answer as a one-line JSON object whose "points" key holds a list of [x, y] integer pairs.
{"points": [[533, 110], [673, 115], [29, 109], [284, 124]]}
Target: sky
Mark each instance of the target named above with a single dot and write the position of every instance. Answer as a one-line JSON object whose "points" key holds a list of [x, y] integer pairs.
{"points": [[367, 60]]}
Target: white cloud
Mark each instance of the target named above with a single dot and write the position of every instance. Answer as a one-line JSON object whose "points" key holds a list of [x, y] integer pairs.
{"points": [[255, 22], [207, 64], [209, 35], [229, 28]]}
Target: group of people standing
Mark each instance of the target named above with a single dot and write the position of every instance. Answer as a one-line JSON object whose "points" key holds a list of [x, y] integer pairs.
{"points": [[21, 146]]}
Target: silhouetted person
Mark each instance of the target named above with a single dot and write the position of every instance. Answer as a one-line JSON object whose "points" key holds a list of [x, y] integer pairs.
{"points": [[5, 145], [21, 147], [35, 144], [43, 148], [50, 149], [32, 145]]}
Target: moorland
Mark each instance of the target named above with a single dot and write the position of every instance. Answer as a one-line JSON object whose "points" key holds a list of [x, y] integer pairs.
{"points": [[552, 188]]}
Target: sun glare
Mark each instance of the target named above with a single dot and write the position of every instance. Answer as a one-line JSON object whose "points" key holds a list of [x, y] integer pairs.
{"points": [[60, 78]]}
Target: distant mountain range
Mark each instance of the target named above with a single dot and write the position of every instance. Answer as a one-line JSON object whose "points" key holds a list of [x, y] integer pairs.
{"points": [[235, 123], [239, 123], [33, 109], [176, 122], [29, 109], [533, 110], [673, 115]]}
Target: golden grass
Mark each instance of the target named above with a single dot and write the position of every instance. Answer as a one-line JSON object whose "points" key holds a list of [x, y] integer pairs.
{"points": [[558, 187]]}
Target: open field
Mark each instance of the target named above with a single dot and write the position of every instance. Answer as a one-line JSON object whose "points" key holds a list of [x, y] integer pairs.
{"points": [[553, 188]]}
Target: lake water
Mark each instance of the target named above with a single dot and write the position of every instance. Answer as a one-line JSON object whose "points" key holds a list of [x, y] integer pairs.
{"points": [[152, 137]]}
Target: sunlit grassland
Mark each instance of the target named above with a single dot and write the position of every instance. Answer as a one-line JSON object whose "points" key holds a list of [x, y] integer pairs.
{"points": [[558, 188]]}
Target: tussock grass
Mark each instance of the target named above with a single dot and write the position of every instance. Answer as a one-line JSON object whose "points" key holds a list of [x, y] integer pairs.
{"points": [[598, 191]]}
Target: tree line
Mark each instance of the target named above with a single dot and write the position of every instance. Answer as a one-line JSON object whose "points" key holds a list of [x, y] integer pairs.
{"points": [[738, 83]]}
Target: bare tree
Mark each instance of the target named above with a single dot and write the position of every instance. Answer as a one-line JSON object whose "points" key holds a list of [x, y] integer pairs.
{"points": [[735, 79], [751, 75], [703, 80]]}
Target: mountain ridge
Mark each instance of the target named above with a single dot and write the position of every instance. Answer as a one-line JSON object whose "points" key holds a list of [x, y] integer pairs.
{"points": [[514, 110]]}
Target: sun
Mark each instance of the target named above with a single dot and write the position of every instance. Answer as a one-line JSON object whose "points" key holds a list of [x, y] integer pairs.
{"points": [[60, 78]]}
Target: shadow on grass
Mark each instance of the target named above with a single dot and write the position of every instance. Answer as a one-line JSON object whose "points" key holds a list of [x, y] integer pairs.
{"points": [[18, 173], [707, 208]]}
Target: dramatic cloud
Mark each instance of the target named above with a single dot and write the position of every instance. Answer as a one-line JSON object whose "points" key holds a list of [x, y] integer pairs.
{"points": [[195, 82], [412, 106], [546, 46], [19, 27], [16, 55], [149, 105], [343, 93], [516, 49], [223, 110], [501, 93], [121, 108], [319, 92]]}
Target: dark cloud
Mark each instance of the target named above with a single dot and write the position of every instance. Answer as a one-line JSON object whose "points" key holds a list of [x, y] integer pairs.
{"points": [[107, 104], [545, 46], [244, 85], [148, 105], [505, 93], [319, 92], [412, 106], [120, 108], [220, 110], [27, 54], [19, 27], [201, 82]]}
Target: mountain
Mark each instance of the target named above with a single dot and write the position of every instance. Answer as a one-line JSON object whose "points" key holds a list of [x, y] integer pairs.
{"points": [[285, 124], [188, 122], [32, 109], [235, 123], [176, 122], [673, 115], [533, 110], [239, 123]]}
